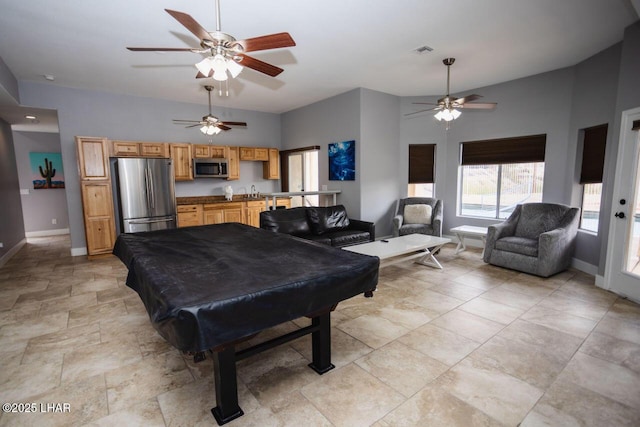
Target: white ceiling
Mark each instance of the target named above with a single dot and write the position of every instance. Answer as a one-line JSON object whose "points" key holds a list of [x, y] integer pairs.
{"points": [[341, 44]]}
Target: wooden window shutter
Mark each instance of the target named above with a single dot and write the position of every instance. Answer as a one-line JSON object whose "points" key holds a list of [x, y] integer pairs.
{"points": [[595, 141], [421, 163], [522, 149]]}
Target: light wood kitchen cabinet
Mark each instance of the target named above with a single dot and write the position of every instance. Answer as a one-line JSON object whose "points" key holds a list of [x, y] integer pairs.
{"points": [[232, 155], [218, 213], [286, 202], [254, 153], [154, 149], [254, 207], [271, 168], [99, 221], [190, 215], [93, 158], [182, 167], [125, 149], [209, 151]]}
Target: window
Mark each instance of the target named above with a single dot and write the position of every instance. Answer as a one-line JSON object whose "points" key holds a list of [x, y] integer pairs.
{"points": [[421, 170], [591, 170], [498, 174]]}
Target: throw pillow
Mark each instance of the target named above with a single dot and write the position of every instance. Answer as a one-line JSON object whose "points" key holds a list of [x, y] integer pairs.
{"points": [[417, 214]]}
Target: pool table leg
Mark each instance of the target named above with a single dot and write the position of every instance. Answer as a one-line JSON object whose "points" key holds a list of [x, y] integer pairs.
{"points": [[226, 386], [321, 344]]}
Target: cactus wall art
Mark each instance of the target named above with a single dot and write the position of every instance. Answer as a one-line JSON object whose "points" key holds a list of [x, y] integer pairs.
{"points": [[46, 169]]}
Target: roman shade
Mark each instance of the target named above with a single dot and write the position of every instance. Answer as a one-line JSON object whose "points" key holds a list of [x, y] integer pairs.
{"points": [[421, 163], [595, 140], [521, 149]]}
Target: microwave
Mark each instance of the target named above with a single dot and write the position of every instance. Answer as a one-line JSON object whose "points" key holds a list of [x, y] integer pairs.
{"points": [[210, 168]]}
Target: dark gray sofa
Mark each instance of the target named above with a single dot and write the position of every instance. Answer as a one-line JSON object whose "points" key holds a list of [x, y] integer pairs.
{"points": [[538, 238], [329, 225]]}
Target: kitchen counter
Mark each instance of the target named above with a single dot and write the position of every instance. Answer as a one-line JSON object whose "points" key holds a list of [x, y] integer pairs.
{"points": [[197, 200]]}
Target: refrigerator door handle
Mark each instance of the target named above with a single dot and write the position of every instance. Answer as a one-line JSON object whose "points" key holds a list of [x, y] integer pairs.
{"points": [[150, 196], [149, 221]]}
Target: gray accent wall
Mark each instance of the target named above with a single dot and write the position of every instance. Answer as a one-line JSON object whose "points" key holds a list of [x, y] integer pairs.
{"points": [[11, 225], [39, 207]]}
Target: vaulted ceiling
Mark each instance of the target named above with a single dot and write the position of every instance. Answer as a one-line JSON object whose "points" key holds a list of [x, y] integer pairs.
{"points": [[341, 45]]}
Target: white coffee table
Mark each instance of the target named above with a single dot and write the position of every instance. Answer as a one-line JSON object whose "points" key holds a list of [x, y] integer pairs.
{"points": [[398, 249], [469, 230]]}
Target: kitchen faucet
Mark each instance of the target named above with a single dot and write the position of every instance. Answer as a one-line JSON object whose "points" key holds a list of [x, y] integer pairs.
{"points": [[253, 190]]}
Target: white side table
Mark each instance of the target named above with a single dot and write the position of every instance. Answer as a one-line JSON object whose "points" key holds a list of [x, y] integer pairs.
{"points": [[469, 230]]}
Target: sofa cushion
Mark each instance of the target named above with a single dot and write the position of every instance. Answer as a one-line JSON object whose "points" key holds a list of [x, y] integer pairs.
{"points": [[290, 221], [538, 218], [518, 245], [342, 238], [415, 229], [417, 214], [326, 219]]}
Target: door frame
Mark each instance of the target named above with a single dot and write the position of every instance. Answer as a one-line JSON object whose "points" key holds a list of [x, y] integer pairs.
{"points": [[615, 260]]}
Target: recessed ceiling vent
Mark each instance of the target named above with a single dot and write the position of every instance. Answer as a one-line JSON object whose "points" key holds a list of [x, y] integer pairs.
{"points": [[423, 49]]}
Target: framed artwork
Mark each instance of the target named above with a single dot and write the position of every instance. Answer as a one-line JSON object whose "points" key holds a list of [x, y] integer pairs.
{"points": [[46, 170], [342, 161]]}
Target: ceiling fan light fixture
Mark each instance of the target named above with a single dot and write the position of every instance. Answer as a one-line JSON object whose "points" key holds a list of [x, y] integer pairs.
{"points": [[205, 66], [234, 68], [455, 113]]}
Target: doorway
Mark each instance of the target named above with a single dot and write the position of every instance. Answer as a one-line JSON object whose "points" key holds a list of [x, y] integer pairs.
{"points": [[622, 271], [303, 176]]}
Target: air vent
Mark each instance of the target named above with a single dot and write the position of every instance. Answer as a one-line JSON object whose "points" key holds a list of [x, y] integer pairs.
{"points": [[423, 49]]}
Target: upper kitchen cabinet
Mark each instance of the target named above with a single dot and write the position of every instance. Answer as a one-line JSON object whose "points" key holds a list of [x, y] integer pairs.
{"points": [[232, 155], [271, 168], [182, 161], [139, 149], [254, 153], [93, 158], [209, 151]]}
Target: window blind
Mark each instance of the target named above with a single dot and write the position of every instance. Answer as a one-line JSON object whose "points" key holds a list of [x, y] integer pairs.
{"points": [[421, 163], [521, 149], [595, 141]]}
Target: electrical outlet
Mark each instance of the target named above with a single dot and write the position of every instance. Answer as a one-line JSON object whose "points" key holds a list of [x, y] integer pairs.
{"points": [[54, 221], [1, 245]]}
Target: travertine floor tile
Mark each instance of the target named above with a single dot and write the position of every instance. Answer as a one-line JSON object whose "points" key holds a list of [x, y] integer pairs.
{"points": [[469, 345]]}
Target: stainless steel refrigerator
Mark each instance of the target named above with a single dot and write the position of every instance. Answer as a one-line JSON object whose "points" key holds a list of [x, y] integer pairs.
{"points": [[145, 192]]}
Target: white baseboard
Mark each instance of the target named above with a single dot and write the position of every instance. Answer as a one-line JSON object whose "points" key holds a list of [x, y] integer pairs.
{"points": [[6, 257], [45, 233], [78, 251]]}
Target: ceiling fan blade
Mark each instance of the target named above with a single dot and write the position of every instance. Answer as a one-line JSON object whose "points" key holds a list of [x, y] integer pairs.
{"points": [[467, 98], [190, 24], [256, 64], [192, 126], [422, 111], [271, 41], [479, 105], [223, 127], [162, 49], [234, 123], [202, 76], [425, 103], [186, 121]]}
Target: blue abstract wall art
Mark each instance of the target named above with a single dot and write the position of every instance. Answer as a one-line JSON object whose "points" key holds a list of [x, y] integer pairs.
{"points": [[342, 161]]}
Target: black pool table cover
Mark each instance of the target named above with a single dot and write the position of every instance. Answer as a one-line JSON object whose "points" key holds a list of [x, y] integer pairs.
{"points": [[212, 285]]}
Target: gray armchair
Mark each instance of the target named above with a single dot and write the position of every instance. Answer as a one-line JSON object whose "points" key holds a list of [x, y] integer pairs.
{"points": [[538, 238], [432, 226]]}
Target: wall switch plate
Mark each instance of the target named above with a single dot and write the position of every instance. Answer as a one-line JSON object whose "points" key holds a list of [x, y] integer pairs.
{"points": [[54, 221], [24, 191], [1, 245]]}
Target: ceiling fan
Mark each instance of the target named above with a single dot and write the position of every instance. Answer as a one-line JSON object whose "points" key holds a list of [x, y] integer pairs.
{"points": [[211, 125], [225, 53], [447, 106]]}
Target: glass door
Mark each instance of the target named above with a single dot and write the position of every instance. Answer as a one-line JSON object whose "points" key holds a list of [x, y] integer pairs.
{"points": [[303, 176], [622, 271]]}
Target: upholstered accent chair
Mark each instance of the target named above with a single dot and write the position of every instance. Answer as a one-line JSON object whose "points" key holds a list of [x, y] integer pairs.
{"points": [[421, 215], [538, 238]]}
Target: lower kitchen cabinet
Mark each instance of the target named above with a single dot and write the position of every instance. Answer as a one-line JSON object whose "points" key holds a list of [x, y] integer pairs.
{"points": [[218, 213], [99, 220], [190, 215]]}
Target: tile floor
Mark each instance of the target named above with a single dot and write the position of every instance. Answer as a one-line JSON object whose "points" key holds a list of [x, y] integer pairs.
{"points": [[470, 345]]}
